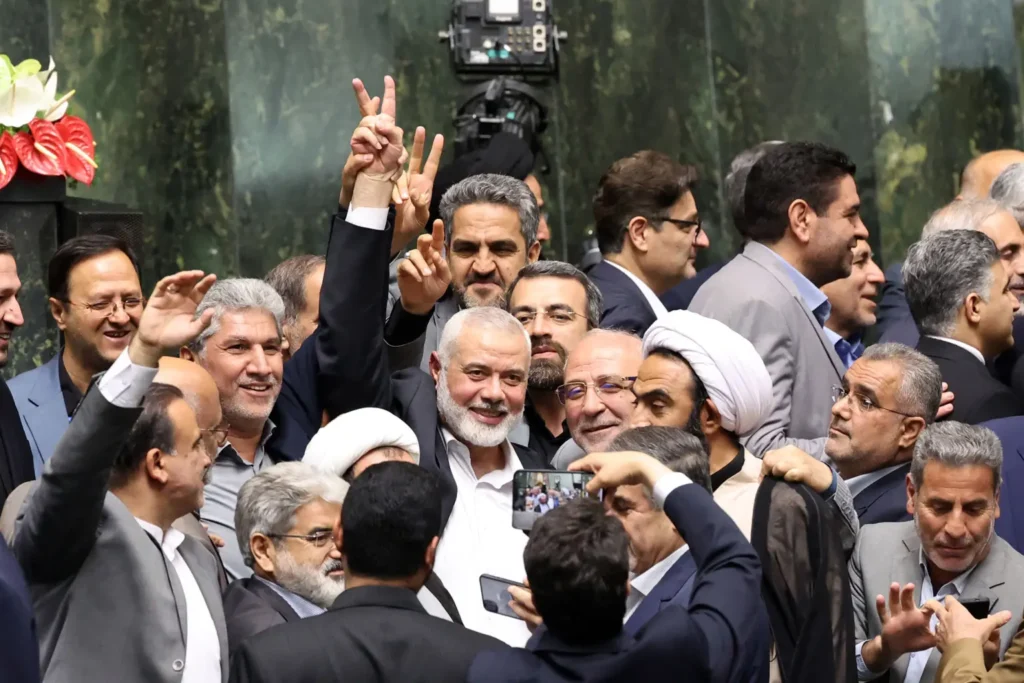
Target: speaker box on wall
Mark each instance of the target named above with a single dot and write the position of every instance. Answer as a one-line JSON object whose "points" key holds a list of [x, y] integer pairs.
{"points": [[89, 217]]}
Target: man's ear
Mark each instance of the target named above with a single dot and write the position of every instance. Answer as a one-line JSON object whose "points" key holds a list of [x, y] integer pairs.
{"points": [[185, 353], [911, 493], [435, 366], [262, 549], [636, 233], [337, 533], [912, 428], [801, 219], [533, 253], [710, 418], [972, 308], [431, 553], [59, 312], [156, 466]]}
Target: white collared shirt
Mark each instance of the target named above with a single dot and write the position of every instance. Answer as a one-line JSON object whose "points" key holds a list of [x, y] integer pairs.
{"points": [[479, 539], [202, 645], [641, 586], [967, 347], [862, 481], [652, 299]]}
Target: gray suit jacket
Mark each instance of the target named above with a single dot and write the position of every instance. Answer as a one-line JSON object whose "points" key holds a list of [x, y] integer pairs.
{"points": [[108, 604], [37, 395], [417, 353], [891, 552], [754, 295]]}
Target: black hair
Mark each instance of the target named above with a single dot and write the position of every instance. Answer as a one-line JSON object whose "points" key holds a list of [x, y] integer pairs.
{"points": [[77, 250], [153, 429], [674, 447]]}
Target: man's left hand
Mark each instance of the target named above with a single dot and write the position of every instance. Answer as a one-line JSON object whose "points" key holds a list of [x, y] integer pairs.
{"points": [[956, 623], [168, 320], [411, 217], [796, 466]]}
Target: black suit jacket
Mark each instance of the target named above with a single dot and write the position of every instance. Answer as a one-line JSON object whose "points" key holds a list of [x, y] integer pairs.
{"points": [[721, 636], [679, 297], [624, 306], [15, 454], [884, 500], [350, 349], [372, 634], [19, 649], [251, 607], [978, 395]]}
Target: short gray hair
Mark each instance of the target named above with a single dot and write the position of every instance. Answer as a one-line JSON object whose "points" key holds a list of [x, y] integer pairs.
{"points": [[673, 447], [267, 502], [486, 317], [566, 271], [961, 214], [237, 294], [1008, 190], [941, 271], [955, 444], [920, 390], [288, 279], [491, 188]]}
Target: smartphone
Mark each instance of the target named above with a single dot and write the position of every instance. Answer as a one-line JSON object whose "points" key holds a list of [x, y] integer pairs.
{"points": [[535, 492], [495, 595], [978, 607]]}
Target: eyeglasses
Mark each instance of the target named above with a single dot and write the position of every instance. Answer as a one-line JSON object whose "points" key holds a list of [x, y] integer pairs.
{"points": [[683, 224], [317, 539], [609, 386], [107, 308], [861, 403], [219, 434], [559, 316]]}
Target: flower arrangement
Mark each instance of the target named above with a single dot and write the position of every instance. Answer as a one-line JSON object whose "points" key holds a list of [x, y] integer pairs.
{"points": [[35, 130]]}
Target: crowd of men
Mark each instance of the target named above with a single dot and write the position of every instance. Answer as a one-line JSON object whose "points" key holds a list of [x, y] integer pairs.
{"points": [[803, 469]]}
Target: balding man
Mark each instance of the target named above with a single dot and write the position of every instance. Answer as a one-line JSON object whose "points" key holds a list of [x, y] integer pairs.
{"points": [[980, 172]]}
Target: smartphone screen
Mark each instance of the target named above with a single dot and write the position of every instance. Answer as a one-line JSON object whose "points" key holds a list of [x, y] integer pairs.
{"points": [[495, 595], [535, 492]]}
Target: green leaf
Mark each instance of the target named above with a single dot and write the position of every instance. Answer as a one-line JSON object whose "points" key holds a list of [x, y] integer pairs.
{"points": [[6, 73], [29, 67]]}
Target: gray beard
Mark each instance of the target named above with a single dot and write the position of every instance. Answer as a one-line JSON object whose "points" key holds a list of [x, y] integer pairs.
{"points": [[311, 583], [463, 426], [545, 376]]}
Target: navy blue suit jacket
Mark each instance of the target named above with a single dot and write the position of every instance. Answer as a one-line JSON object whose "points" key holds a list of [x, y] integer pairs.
{"points": [[720, 637], [1010, 525], [679, 297], [624, 306], [885, 500], [673, 589], [19, 649]]}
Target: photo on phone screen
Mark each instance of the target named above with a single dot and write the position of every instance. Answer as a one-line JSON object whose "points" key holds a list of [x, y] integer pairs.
{"points": [[495, 595], [535, 492]]}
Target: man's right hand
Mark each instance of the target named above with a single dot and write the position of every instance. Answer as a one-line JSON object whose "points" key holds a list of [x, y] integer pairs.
{"points": [[905, 628], [423, 275], [168, 321], [795, 466], [522, 604], [620, 469]]}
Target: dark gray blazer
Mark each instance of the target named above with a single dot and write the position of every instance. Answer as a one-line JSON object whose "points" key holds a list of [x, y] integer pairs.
{"points": [[109, 606]]}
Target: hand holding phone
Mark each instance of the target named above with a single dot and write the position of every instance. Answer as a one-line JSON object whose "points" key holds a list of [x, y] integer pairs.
{"points": [[495, 595]]}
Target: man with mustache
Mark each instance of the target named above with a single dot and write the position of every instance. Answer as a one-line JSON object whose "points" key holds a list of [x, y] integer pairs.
{"points": [[285, 522], [950, 548], [852, 301], [96, 300], [558, 305]]}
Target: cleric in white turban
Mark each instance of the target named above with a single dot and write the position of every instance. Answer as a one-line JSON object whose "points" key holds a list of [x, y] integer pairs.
{"points": [[351, 442], [699, 374]]}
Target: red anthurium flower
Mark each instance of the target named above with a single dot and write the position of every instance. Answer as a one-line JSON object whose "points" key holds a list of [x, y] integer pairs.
{"points": [[43, 150], [8, 159], [81, 150]]}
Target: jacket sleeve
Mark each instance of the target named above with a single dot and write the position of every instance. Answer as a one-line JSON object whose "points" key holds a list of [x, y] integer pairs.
{"points": [[964, 662], [61, 518], [861, 603]]}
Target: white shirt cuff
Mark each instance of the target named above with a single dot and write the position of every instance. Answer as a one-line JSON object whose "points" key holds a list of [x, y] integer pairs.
{"points": [[373, 219], [863, 672], [667, 484], [125, 383]]}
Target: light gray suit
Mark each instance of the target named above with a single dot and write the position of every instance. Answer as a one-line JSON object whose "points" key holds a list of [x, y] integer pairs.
{"points": [[41, 405], [108, 604], [891, 552], [754, 295], [417, 353]]}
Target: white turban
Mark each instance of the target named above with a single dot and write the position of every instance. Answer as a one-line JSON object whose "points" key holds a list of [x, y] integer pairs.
{"points": [[348, 437], [728, 365]]}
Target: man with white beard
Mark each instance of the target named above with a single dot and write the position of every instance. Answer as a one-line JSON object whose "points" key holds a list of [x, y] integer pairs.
{"points": [[285, 522]]}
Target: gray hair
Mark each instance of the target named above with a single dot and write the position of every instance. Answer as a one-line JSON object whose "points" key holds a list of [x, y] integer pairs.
{"points": [[920, 390], [736, 180], [485, 317], [237, 294], [288, 279], [566, 271], [961, 214], [941, 271], [673, 447], [955, 444], [491, 188], [267, 502], [1008, 190]]}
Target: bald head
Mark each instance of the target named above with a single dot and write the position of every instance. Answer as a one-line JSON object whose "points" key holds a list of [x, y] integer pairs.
{"points": [[981, 171], [198, 386]]}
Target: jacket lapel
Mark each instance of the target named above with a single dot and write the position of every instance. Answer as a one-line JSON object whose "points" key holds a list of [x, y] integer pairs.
{"points": [[195, 555], [48, 419], [667, 589]]}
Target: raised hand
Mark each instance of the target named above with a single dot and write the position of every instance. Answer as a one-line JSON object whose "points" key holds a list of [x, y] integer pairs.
{"points": [[387, 149], [956, 623], [168, 321], [795, 466], [357, 162], [905, 627], [412, 216], [423, 276]]}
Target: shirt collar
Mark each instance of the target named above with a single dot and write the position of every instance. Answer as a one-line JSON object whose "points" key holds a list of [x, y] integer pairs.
{"points": [[646, 582], [652, 299], [863, 481], [303, 607], [168, 542], [228, 451], [958, 583], [848, 350], [815, 299], [956, 342], [458, 454]]}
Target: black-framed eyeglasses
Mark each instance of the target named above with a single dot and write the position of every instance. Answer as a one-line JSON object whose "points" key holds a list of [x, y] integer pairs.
{"points": [[861, 403], [696, 225], [317, 539], [559, 316], [219, 434], [570, 392]]}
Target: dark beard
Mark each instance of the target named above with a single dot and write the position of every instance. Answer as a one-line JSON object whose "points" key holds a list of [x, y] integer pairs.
{"points": [[693, 427], [545, 375]]}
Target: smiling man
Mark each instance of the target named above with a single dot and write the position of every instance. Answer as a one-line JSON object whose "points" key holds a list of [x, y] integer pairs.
{"points": [[853, 304]]}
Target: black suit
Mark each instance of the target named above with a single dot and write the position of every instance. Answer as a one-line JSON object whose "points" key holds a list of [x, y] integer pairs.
{"points": [[350, 348], [251, 607], [721, 636], [372, 634], [624, 306], [884, 500], [15, 453], [978, 395]]}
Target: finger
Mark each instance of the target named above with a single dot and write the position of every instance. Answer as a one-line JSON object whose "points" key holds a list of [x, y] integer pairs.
{"points": [[907, 598], [177, 279], [201, 323], [367, 136], [202, 287], [997, 620], [375, 105], [388, 103], [402, 185], [424, 245], [396, 195], [883, 612], [356, 163], [437, 235], [417, 260], [416, 158], [434, 160], [935, 607], [407, 269], [362, 98], [444, 273], [794, 475], [894, 598]]}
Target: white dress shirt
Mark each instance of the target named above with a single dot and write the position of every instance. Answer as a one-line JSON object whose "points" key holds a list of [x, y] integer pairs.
{"points": [[966, 347], [862, 481], [479, 539], [652, 299], [641, 586]]}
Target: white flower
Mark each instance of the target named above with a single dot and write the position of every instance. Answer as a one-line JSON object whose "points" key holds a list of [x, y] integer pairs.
{"points": [[21, 101]]}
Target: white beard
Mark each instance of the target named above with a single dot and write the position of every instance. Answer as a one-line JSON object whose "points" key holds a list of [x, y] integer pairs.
{"points": [[307, 582], [462, 423]]}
